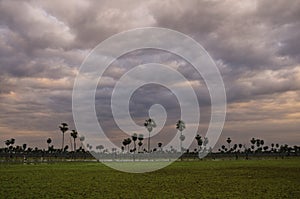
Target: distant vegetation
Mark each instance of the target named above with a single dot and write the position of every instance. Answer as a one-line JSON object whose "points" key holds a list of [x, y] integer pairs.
{"points": [[133, 147]]}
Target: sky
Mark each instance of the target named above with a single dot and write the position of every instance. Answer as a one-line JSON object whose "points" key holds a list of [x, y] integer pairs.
{"points": [[255, 45]]}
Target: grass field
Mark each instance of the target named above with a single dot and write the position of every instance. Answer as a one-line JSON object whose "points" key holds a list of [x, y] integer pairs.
{"points": [[198, 179]]}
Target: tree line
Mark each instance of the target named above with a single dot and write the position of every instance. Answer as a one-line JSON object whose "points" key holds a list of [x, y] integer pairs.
{"points": [[134, 145]]}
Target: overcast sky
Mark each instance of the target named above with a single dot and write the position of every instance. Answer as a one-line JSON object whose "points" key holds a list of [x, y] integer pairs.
{"points": [[256, 46]]}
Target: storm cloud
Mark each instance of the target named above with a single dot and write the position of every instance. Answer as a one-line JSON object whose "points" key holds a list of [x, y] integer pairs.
{"points": [[255, 45]]}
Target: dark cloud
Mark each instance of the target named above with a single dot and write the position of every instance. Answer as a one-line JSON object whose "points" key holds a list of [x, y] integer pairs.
{"points": [[242, 36], [254, 43], [278, 12]]}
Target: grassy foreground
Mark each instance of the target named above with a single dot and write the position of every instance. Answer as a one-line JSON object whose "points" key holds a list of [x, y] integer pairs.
{"points": [[198, 179]]}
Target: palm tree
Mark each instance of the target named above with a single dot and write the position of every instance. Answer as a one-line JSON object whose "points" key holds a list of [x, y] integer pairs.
{"points": [[258, 144], [224, 148], [180, 125], [81, 138], [272, 147], [49, 142], [262, 142], [74, 135], [7, 143], [159, 146], [100, 147], [140, 144], [182, 138], [24, 147], [199, 141], [277, 147], [140, 138], [235, 146], [128, 140], [240, 146], [134, 137], [296, 149], [10, 143], [65, 148], [253, 141], [228, 141], [63, 128], [149, 124], [124, 143]]}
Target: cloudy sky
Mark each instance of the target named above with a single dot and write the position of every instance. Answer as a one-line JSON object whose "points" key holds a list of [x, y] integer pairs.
{"points": [[254, 44]]}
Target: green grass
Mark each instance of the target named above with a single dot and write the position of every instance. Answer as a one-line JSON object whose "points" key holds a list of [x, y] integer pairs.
{"points": [[198, 179]]}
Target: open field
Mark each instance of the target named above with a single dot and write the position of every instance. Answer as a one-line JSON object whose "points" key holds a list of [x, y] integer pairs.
{"points": [[196, 179]]}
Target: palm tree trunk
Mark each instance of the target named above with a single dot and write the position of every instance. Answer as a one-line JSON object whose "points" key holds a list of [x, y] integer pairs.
{"points": [[74, 145], [71, 144], [134, 151], [63, 139], [180, 142], [149, 143]]}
